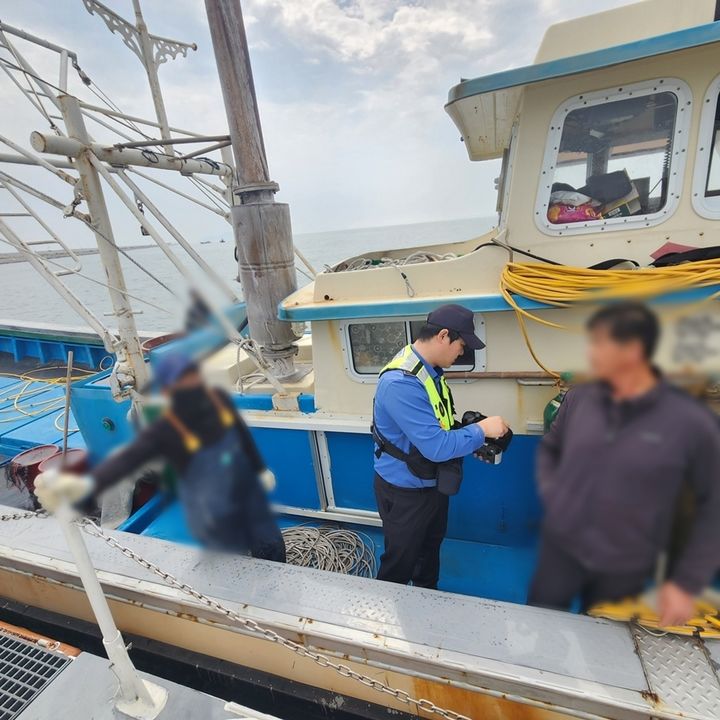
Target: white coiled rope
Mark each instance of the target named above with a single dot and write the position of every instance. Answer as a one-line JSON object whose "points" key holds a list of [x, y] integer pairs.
{"points": [[365, 263], [330, 548]]}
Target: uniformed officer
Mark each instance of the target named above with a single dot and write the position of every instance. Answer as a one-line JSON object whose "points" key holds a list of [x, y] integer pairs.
{"points": [[419, 448]]}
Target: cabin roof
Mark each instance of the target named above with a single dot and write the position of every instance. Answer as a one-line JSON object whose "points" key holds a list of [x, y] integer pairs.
{"points": [[484, 108]]}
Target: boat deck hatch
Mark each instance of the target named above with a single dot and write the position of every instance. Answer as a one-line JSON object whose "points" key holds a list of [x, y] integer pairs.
{"points": [[25, 671]]}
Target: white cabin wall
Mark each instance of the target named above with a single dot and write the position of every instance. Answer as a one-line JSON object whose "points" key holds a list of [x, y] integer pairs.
{"points": [[697, 67], [622, 25]]}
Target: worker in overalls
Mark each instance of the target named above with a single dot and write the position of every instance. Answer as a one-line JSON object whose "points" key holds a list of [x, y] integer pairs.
{"points": [[222, 480], [419, 449]]}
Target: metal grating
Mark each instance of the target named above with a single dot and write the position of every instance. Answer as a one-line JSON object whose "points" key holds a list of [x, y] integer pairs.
{"points": [[25, 670], [680, 673]]}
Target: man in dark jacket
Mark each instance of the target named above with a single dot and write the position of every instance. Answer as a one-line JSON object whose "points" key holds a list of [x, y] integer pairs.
{"points": [[220, 471], [610, 471]]}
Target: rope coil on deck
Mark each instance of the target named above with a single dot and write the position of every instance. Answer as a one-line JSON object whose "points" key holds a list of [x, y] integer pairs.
{"points": [[334, 549]]}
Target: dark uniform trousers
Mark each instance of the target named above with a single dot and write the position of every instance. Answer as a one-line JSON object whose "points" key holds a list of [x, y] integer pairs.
{"points": [[414, 526], [560, 579]]}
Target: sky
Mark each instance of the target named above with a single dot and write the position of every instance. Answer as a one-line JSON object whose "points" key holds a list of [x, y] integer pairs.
{"points": [[351, 95]]}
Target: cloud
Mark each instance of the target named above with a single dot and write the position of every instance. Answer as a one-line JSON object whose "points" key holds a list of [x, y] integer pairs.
{"points": [[350, 94], [367, 30]]}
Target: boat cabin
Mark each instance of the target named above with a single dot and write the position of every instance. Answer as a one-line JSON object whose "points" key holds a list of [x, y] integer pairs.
{"points": [[608, 149]]}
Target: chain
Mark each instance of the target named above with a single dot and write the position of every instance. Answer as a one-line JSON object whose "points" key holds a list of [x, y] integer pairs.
{"points": [[23, 515], [324, 661]]}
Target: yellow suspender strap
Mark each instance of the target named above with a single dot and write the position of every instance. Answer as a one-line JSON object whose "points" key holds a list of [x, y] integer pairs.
{"points": [[227, 418], [190, 440]]}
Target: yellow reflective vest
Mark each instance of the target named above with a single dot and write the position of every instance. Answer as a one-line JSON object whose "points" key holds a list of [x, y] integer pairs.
{"points": [[441, 400]]}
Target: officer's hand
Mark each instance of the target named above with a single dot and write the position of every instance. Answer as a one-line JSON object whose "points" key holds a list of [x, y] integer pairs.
{"points": [[493, 427], [675, 605], [54, 488]]}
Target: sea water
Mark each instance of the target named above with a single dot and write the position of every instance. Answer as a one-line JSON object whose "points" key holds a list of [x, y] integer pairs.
{"points": [[160, 300]]}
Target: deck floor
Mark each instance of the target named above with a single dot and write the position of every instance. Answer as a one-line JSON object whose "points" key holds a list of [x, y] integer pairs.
{"points": [[496, 572], [30, 415]]}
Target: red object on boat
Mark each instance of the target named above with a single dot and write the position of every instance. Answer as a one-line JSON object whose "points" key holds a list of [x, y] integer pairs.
{"points": [[25, 466], [76, 461]]}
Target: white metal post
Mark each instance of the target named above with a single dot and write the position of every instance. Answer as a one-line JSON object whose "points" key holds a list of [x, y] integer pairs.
{"points": [[93, 194], [147, 49], [137, 697]]}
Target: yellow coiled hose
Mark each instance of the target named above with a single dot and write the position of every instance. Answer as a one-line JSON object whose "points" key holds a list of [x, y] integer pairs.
{"points": [[564, 286], [705, 624]]}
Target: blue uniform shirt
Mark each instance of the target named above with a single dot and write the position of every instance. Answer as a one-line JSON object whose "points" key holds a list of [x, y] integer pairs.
{"points": [[404, 416]]}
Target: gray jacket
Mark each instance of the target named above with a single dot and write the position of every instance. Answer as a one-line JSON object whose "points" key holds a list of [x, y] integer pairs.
{"points": [[610, 473]]}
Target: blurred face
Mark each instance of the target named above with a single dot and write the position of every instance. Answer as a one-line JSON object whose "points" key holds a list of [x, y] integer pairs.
{"points": [[609, 358], [189, 379], [447, 351]]}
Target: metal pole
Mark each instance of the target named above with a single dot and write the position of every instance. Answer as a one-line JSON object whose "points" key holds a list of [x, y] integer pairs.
{"points": [[262, 228], [137, 698], [66, 414], [148, 60], [176, 141], [131, 372], [71, 147]]}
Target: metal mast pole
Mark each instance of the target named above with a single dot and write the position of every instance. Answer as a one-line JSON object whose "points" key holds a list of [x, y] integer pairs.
{"points": [[262, 228], [131, 371], [148, 61], [151, 50]]}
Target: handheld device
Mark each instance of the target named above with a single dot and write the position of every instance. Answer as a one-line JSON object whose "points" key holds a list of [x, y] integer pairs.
{"points": [[492, 451]]}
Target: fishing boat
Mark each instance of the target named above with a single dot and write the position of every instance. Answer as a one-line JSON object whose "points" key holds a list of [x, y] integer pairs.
{"points": [[610, 156]]}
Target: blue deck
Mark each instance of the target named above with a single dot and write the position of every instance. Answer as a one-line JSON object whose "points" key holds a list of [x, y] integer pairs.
{"points": [[498, 572], [34, 423]]}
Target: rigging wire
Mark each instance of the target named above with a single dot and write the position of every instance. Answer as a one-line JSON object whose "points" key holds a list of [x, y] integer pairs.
{"points": [[125, 254], [107, 286], [223, 206], [41, 107], [217, 200]]}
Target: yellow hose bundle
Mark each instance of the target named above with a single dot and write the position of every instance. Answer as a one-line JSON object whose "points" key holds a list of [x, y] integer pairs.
{"points": [[564, 285], [705, 624]]}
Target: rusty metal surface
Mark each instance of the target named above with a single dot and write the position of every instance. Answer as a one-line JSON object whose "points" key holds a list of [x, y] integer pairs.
{"points": [[587, 667], [544, 640]]}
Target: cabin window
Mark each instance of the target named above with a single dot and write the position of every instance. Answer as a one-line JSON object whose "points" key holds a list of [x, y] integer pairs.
{"points": [[614, 158], [372, 344], [369, 345], [706, 180]]}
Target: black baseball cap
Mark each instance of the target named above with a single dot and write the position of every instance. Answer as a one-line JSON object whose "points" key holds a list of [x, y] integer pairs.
{"points": [[457, 318]]}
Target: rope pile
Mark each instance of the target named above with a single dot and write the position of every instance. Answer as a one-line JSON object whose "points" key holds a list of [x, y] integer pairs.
{"points": [[330, 548], [563, 285], [26, 397], [365, 263]]}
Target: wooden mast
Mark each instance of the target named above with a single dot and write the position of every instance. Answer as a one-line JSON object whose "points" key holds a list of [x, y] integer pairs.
{"points": [[263, 234]]}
